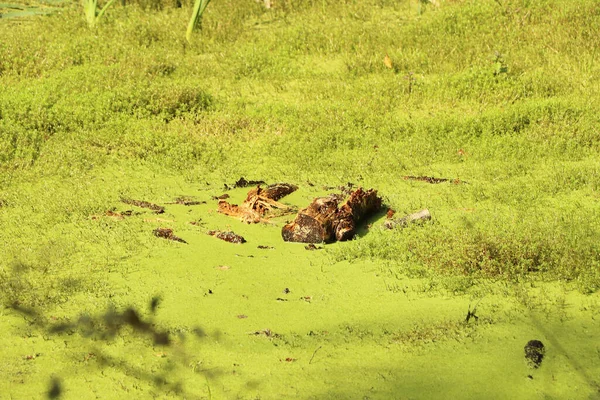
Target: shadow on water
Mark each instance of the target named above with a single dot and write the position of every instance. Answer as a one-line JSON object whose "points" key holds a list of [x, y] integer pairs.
{"points": [[105, 327], [364, 226]]}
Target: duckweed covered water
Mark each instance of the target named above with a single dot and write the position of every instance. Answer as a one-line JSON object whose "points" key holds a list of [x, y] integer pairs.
{"points": [[282, 321]]}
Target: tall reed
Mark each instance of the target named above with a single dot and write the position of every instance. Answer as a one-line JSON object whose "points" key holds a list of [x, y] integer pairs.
{"points": [[196, 20]]}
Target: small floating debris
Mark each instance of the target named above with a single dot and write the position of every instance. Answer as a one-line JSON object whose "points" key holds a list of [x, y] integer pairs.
{"points": [[534, 353], [221, 197], [260, 202], [113, 214], [227, 236], [266, 332], [432, 180], [242, 183], [265, 247], [144, 204], [311, 246], [167, 233], [187, 201]]}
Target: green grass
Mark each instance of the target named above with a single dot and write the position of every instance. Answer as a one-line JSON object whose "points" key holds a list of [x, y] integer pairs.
{"points": [[504, 95]]}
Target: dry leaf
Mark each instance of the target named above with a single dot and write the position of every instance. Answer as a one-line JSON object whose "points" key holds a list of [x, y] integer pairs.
{"points": [[388, 62]]}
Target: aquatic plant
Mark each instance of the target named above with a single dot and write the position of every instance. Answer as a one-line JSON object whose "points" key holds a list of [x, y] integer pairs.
{"points": [[196, 20], [92, 15]]}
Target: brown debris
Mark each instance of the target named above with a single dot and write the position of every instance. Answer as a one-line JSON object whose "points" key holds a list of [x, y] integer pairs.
{"points": [[242, 183], [266, 332], [311, 246], [259, 202], [433, 180], [144, 204], [186, 201], [323, 221], [114, 214], [167, 233], [227, 236]]}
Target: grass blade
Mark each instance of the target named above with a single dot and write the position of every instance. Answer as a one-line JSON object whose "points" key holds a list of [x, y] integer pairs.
{"points": [[196, 20], [104, 9]]}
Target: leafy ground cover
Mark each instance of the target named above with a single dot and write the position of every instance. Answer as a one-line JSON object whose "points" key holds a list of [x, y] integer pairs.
{"points": [[502, 95]]}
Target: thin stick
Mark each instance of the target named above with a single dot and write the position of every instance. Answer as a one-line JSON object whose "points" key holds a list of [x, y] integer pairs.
{"points": [[313, 355], [209, 391]]}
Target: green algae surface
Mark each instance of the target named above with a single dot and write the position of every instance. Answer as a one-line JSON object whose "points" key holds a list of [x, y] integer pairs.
{"points": [[500, 98], [281, 321]]}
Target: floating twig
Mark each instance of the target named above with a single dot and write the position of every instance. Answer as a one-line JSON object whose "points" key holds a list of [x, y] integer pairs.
{"points": [[167, 233], [433, 180], [144, 204]]}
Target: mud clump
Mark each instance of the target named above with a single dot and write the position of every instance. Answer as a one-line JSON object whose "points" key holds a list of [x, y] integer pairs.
{"points": [[534, 353]]}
